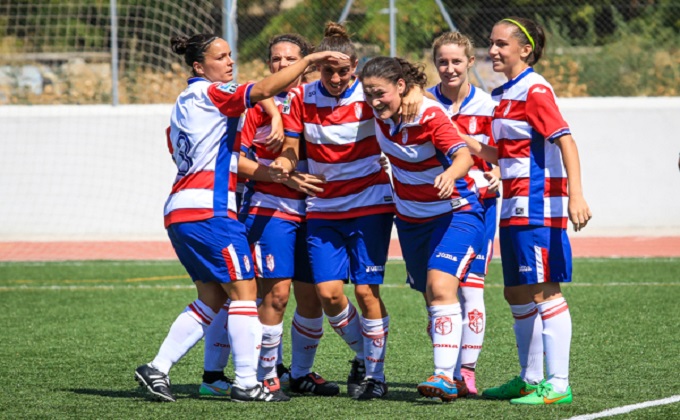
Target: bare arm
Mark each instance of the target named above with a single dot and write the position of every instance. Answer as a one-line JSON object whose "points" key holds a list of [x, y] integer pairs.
{"points": [[275, 137], [579, 212], [446, 181], [285, 164], [277, 82]]}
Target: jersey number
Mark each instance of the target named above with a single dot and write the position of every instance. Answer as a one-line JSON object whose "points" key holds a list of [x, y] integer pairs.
{"points": [[182, 158]]}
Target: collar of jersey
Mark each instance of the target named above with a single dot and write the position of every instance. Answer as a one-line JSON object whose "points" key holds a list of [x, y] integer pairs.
{"points": [[346, 94], [446, 101], [195, 79], [519, 77]]}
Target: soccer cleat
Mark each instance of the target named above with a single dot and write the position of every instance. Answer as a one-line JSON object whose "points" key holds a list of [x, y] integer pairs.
{"points": [[256, 393], [219, 388], [544, 395], [461, 388], [314, 383], [273, 385], [469, 378], [515, 388], [438, 386], [355, 377], [371, 389], [283, 374], [155, 381]]}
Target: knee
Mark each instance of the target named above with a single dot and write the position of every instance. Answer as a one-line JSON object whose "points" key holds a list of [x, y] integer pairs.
{"points": [[279, 299], [331, 297], [367, 296]]}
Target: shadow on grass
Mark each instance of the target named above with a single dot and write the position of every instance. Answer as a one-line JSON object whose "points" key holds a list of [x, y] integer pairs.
{"points": [[180, 391]]}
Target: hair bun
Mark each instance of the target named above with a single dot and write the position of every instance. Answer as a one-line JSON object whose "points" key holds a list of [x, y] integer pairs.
{"points": [[335, 29], [179, 44]]}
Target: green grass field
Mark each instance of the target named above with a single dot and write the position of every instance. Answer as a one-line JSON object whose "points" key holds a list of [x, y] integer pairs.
{"points": [[73, 333]]}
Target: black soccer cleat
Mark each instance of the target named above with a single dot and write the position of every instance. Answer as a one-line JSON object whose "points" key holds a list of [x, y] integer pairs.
{"points": [[371, 389], [315, 384], [355, 377], [156, 383], [256, 393]]}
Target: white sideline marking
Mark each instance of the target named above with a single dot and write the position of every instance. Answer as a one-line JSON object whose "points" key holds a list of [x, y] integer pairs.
{"points": [[627, 408], [190, 286]]}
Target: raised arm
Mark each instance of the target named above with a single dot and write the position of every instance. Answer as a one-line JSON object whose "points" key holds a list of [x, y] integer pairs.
{"points": [[277, 82]]}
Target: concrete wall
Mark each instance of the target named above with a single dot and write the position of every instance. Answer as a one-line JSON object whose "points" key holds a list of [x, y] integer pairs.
{"points": [[101, 172]]}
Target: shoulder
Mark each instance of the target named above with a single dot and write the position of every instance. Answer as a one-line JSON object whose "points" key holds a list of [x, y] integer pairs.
{"points": [[431, 112]]}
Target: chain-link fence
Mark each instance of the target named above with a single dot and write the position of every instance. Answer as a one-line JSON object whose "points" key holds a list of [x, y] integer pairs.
{"points": [[60, 51]]}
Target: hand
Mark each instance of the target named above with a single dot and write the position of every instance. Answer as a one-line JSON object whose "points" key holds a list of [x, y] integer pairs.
{"points": [[384, 162], [444, 182], [307, 183], [332, 56], [494, 181], [579, 212], [274, 141], [278, 172], [410, 104]]}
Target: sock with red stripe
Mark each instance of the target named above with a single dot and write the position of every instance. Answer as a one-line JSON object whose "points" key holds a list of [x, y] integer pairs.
{"points": [[271, 338], [245, 336], [446, 328], [474, 320], [305, 334], [347, 325], [217, 348], [185, 332], [529, 335], [556, 341], [375, 333]]}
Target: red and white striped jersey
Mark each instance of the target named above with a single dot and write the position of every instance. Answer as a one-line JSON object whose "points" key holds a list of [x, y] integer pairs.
{"points": [[474, 119], [525, 125], [202, 140], [341, 145], [270, 198], [419, 152]]}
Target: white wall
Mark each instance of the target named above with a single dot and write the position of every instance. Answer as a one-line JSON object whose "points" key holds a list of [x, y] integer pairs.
{"points": [[102, 172]]}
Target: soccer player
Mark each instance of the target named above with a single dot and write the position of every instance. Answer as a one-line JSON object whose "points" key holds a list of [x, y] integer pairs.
{"points": [[471, 109], [349, 223], [541, 176], [439, 218], [200, 213], [277, 232]]}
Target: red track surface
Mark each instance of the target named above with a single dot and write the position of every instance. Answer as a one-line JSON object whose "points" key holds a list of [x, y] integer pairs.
{"points": [[627, 246]]}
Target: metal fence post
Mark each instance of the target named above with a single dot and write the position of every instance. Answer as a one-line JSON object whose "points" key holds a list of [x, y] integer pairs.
{"points": [[114, 52], [230, 30]]}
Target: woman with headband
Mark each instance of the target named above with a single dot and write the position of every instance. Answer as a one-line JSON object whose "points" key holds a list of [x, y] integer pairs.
{"points": [[542, 191]]}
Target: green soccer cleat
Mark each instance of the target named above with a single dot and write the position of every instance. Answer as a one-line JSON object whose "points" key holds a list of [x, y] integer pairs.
{"points": [[515, 388], [544, 395]]}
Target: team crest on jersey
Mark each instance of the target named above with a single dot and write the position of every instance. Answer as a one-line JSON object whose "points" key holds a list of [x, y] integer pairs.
{"points": [[285, 109], [404, 136], [246, 262], [472, 127], [229, 88], [507, 109], [270, 262], [358, 110], [519, 211], [443, 325], [476, 323]]}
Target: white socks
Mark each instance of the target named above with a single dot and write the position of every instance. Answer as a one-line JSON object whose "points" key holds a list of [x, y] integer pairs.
{"points": [[217, 348], [305, 334], [556, 341], [185, 332], [347, 325], [474, 322], [375, 333], [445, 330], [245, 336], [529, 335], [271, 339]]}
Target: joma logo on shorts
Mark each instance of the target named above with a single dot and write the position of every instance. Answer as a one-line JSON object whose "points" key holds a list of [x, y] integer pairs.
{"points": [[375, 268], [446, 256], [525, 269]]}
